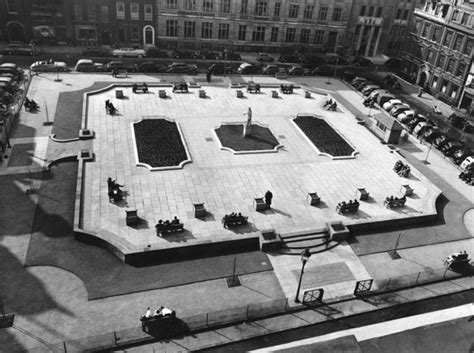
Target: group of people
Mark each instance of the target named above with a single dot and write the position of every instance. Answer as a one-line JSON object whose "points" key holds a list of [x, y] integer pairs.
{"points": [[30, 104], [330, 104], [233, 215], [158, 313], [109, 107], [344, 203], [175, 220]]}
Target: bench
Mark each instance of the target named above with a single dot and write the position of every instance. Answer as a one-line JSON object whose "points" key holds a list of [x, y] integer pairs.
{"points": [[406, 190], [260, 204], [162, 93], [131, 217], [143, 87], [240, 94], [286, 89], [162, 229], [202, 93], [181, 87], [392, 202], [253, 88], [229, 221], [350, 207], [274, 94], [362, 194], [314, 199]]}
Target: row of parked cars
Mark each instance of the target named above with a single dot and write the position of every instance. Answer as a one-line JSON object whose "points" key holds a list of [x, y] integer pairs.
{"points": [[415, 123]]}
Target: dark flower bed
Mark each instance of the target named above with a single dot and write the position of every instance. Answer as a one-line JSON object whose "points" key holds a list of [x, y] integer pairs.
{"points": [[323, 136], [261, 138], [159, 143]]}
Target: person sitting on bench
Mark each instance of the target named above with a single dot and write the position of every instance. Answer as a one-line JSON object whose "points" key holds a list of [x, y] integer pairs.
{"points": [[113, 185], [328, 103], [175, 220], [145, 87]]}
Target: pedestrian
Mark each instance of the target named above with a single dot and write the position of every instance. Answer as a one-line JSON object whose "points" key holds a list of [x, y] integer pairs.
{"points": [[420, 92], [107, 105], [148, 313], [208, 77], [268, 198]]}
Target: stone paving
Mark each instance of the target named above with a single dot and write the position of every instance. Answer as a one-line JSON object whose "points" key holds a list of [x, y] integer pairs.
{"points": [[226, 182]]}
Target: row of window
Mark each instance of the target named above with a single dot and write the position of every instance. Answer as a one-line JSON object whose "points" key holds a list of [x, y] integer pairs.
{"points": [[441, 10], [441, 85], [456, 41], [91, 12], [449, 66], [258, 33], [134, 11], [262, 8], [370, 12]]}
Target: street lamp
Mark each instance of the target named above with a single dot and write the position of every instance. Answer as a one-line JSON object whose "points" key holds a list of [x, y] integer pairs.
{"points": [[305, 255]]}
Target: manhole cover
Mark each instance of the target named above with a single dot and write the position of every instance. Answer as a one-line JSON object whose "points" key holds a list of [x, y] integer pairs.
{"points": [[394, 255]]}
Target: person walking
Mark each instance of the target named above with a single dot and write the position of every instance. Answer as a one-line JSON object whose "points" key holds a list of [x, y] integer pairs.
{"points": [[268, 198]]}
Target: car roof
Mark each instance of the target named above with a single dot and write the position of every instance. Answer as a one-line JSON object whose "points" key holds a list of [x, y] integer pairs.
{"points": [[245, 65], [83, 61]]}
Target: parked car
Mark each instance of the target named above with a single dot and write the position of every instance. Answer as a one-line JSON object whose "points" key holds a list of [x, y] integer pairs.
{"points": [[421, 128], [129, 53], [313, 61], [336, 60], [406, 116], [389, 105], [12, 69], [183, 54], [208, 55], [156, 53], [95, 52], [451, 146], [51, 66], [182, 68], [376, 92], [297, 70], [431, 133], [220, 69], [87, 65], [151, 66], [265, 58], [383, 98], [247, 69], [397, 109], [414, 122], [19, 49], [393, 63], [270, 69], [440, 141], [291, 58], [324, 70], [361, 61], [368, 89], [460, 155], [115, 65], [229, 55], [467, 163]]}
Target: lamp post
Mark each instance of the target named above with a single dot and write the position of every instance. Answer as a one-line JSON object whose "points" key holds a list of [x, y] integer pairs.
{"points": [[305, 255]]}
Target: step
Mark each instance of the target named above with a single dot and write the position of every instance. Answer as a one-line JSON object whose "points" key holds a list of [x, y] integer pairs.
{"points": [[294, 239], [305, 244], [289, 236], [313, 250]]}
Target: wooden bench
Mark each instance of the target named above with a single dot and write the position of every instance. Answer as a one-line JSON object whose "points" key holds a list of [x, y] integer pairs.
{"points": [[274, 94], [362, 194], [350, 207], [240, 94], [286, 89], [162, 229], [253, 88], [229, 221], [406, 190], [392, 202], [202, 93], [119, 94], [260, 204], [181, 87], [314, 199], [143, 87], [162, 93]]}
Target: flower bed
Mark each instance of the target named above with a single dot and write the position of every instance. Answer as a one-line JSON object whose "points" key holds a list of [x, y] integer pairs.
{"points": [[323, 136], [260, 139], [159, 143]]}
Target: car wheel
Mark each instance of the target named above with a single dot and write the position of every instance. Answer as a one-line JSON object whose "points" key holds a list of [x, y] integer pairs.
{"points": [[140, 56]]}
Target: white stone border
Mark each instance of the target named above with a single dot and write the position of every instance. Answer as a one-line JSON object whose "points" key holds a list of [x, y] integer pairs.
{"points": [[149, 167], [274, 150], [353, 154]]}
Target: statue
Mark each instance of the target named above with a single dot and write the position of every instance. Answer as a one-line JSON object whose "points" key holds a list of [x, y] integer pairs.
{"points": [[248, 125]]}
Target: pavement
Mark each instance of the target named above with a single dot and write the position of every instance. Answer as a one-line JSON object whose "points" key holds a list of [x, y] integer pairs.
{"points": [[59, 308]]}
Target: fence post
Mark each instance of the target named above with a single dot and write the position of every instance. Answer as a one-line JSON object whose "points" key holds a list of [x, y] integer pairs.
{"points": [[115, 338], [207, 319], [247, 313], [64, 345], [388, 284]]}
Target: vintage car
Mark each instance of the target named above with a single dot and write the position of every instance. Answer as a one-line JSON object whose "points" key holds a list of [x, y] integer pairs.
{"points": [[51, 66], [19, 49], [129, 52]]}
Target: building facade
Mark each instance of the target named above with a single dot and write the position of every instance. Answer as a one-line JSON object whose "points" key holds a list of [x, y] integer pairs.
{"points": [[438, 53], [253, 25]]}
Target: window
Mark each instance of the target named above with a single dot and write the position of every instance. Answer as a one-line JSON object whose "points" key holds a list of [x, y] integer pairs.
{"points": [[461, 69], [435, 82], [436, 34], [258, 35], [379, 11], [78, 12], [274, 34], [455, 15], [357, 31], [134, 33], [148, 12], [426, 30], [450, 67], [223, 31], [244, 6], [441, 59], [381, 126], [465, 18], [225, 6], [444, 85], [362, 10], [91, 13], [399, 14], [120, 11], [304, 38], [468, 47], [11, 6], [318, 36], [448, 38], [458, 42], [206, 30], [134, 14], [371, 11], [207, 5], [308, 12], [242, 32], [454, 91], [261, 8], [323, 12], [104, 13], [430, 57], [189, 29], [171, 4], [290, 35], [417, 27], [336, 15], [405, 14], [293, 11], [276, 10], [172, 28], [190, 5]]}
